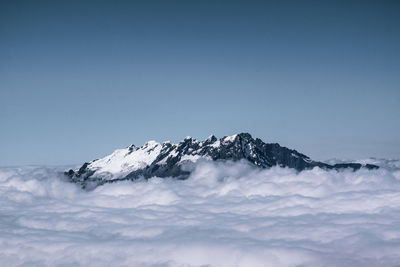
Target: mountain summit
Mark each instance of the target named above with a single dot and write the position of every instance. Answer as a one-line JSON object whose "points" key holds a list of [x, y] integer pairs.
{"points": [[177, 160]]}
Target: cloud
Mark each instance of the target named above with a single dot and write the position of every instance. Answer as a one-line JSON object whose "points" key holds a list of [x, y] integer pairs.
{"points": [[225, 214]]}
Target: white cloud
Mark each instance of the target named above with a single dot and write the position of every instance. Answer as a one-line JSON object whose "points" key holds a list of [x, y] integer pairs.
{"points": [[225, 214]]}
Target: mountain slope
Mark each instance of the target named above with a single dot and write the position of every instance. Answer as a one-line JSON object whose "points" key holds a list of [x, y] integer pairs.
{"points": [[177, 160]]}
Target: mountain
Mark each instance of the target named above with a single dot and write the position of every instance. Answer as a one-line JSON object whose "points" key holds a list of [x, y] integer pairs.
{"points": [[177, 160]]}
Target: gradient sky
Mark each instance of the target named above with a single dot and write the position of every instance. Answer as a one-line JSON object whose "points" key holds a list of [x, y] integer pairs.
{"points": [[79, 79]]}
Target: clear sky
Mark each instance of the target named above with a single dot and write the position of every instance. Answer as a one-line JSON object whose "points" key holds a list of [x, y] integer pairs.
{"points": [[79, 79]]}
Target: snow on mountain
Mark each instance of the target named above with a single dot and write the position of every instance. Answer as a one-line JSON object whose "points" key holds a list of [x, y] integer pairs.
{"points": [[177, 160], [123, 161]]}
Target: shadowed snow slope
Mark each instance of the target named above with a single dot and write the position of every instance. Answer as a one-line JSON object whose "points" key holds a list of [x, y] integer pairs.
{"points": [[224, 214]]}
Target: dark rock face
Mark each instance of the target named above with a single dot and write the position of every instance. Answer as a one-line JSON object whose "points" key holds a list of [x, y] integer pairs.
{"points": [[173, 160]]}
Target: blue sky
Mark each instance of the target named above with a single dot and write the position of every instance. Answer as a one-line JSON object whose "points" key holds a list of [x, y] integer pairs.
{"points": [[79, 79]]}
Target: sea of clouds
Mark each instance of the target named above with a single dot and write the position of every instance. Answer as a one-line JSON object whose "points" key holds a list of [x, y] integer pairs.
{"points": [[225, 214]]}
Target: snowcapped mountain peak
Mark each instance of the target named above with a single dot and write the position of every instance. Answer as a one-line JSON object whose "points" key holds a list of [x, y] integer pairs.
{"points": [[150, 144], [168, 160], [211, 139], [124, 161], [211, 136], [230, 138]]}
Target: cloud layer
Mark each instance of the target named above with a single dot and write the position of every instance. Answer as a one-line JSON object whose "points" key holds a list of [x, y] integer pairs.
{"points": [[225, 214]]}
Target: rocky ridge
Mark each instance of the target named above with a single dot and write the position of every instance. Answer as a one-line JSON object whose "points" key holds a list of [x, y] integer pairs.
{"points": [[177, 160]]}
